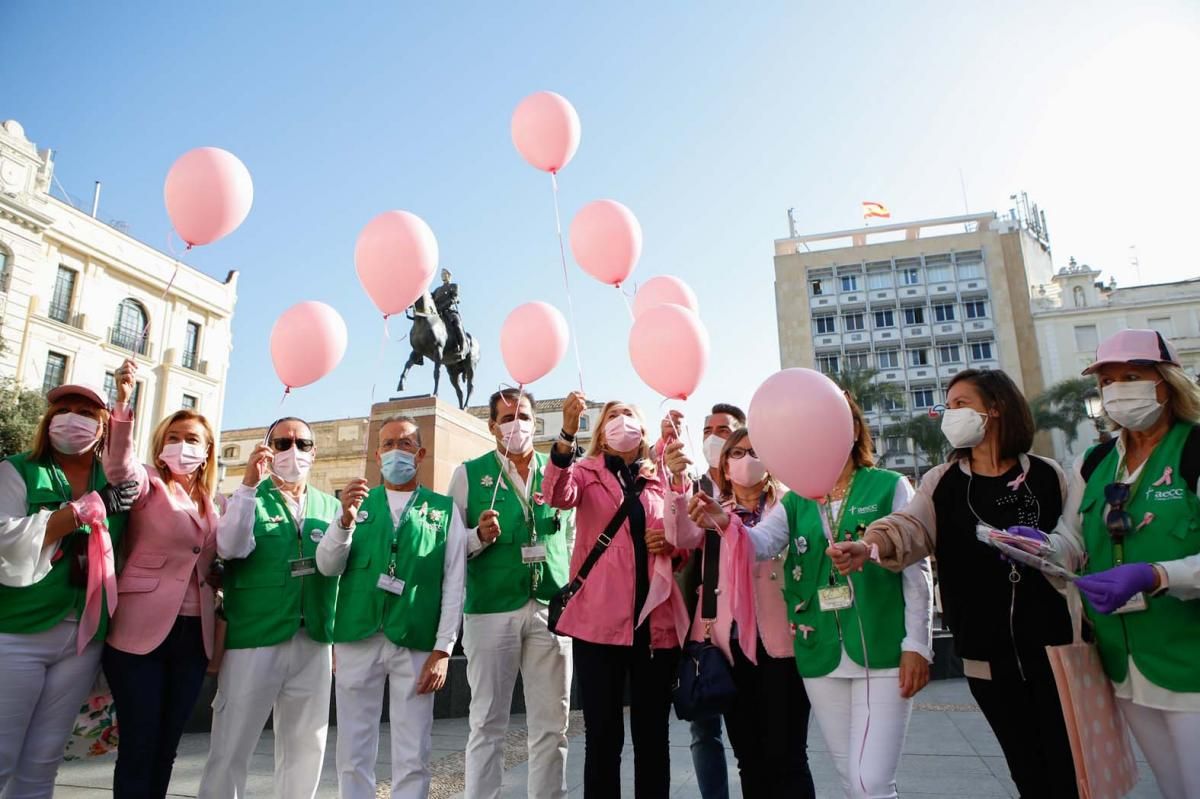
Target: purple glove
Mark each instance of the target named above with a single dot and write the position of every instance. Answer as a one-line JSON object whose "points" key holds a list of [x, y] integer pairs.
{"points": [[1110, 589], [1032, 533]]}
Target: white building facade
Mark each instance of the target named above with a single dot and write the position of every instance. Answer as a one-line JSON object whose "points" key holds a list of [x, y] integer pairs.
{"points": [[78, 296]]}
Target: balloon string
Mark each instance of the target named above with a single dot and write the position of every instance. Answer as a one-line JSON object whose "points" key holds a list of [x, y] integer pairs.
{"points": [[507, 442], [562, 254], [628, 307], [141, 337], [378, 367], [286, 390]]}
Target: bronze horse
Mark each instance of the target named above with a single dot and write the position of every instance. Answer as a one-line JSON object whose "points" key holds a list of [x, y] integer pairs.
{"points": [[428, 340]]}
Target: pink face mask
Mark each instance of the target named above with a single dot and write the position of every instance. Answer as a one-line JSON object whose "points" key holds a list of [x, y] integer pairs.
{"points": [[183, 458], [622, 433], [747, 471], [73, 434]]}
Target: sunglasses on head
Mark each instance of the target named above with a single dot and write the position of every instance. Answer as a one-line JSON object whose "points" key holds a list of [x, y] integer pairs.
{"points": [[1118, 521], [284, 444]]}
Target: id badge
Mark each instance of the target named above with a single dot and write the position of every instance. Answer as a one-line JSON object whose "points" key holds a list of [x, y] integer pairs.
{"points": [[1136, 603], [302, 567], [834, 597], [393, 585], [535, 553]]}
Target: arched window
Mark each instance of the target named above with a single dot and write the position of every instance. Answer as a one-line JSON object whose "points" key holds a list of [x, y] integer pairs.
{"points": [[229, 452], [127, 331], [1080, 299]]}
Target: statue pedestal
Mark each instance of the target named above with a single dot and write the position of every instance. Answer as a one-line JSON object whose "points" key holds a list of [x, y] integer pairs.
{"points": [[450, 436]]}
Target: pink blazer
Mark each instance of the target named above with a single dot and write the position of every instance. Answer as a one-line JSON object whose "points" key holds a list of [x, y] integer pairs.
{"points": [[167, 542], [602, 611]]}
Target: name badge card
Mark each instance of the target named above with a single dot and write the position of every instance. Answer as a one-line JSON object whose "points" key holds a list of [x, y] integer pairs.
{"points": [[835, 597], [393, 585], [302, 567], [533, 554], [1136, 603]]}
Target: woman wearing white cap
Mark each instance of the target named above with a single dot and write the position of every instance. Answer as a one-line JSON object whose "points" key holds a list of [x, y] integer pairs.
{"points": [[59, 518]]}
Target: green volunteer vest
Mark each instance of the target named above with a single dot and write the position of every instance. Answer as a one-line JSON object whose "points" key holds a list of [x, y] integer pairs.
{"points": [[38, 607], [418, 549], [878, 593], [1164, 639], [264, 603], [497, 580]]}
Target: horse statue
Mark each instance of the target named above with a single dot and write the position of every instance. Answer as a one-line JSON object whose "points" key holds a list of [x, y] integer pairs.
{"points": [[428, 339]]}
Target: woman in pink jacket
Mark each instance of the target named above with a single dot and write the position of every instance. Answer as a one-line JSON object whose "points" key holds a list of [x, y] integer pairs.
{"points": [[768, 724], [162, 634], [628, 618]]}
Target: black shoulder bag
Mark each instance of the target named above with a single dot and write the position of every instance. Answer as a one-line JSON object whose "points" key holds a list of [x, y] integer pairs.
{"points": [[705, 686]]}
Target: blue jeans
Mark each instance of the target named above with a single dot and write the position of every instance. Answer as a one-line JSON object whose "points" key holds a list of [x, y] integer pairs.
{"points": [[708, 758]]}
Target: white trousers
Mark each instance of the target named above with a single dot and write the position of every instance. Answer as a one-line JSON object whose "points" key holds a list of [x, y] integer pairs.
{"points": [[43, 683], [363, 667], [291, 680], [840, 706], [1171, 742], [498, 646]]}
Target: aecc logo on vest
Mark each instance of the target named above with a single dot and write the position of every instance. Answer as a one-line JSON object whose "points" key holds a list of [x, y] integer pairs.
{"points": [[1164, 495], [863, 509]]}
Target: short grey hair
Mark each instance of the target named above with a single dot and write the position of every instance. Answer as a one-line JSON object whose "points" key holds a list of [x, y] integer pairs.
{"points": [[402, 418]]}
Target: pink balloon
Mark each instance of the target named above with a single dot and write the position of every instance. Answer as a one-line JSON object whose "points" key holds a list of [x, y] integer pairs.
{"points": [[545, 130], [801, 428], [606, 241], [307, 343], [533, 340], [661, 290], [395, 257], [208, 193], [669, 349]]}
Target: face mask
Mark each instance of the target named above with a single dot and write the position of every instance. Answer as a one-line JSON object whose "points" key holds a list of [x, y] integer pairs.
{"points": [[963, 427], [622, 433], [292, 465], [517, 436], [72, 434], [183, 458], [1133, 405], [398, 467], [747, 471], [712, 450]]}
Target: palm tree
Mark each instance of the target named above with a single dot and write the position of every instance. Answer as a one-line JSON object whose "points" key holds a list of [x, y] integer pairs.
{"points": [[1061, 406], [867, 392], [925, 432]]}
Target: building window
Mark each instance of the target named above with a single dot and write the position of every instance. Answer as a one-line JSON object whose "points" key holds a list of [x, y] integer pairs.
{"points": [[910, 277], [857, 361], [914, 316], [975, 310], [110, 391], [190, 402], [923, 398], [127, 332], [1163, 325], [895, 446], [880, 280], [888, 359], [885, 319], [850, 283], [56, 371], [892, 404], [191, 345], [1086, 338], [949, 353], [229, 452], [981, 351], [539, 427], [585, 423], [817, 287], [826, 324], [918, 357], [855, 322], [943, 313], [828, 364], [64, 291], [938, 274], [5, 260], [970, 270]]}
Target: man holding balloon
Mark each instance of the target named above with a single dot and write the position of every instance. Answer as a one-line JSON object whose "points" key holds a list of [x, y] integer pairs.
{"points": [[517, 561]]}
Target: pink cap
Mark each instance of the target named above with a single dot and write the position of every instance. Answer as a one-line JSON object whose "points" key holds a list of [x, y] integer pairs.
{"points": [[1140, 347], [73, 389]]}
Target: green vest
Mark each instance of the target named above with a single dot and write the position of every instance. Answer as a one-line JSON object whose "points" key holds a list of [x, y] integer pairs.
{"points": [[418, 549], [264, 603], [878, 593], [1164, 639], [497, 580], [38, 607]]}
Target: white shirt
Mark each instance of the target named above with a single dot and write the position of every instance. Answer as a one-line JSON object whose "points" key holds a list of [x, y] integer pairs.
{"points": [[772, 535], [235, 531], [24, 556], [334, 549], [460, 490]]}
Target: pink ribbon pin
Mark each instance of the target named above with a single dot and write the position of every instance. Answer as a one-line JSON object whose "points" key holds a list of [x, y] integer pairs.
{"points": [[1149, 517], [805, 630], [1016, 483], [1165, 480]]}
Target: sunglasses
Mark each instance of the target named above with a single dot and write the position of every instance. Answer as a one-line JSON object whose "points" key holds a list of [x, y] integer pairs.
{"points": [[284, 444], [1118, 521], [737, 453]]}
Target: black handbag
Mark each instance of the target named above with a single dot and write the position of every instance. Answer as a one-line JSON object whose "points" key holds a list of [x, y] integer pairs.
{"points": [[705, 686], [558, 603]]}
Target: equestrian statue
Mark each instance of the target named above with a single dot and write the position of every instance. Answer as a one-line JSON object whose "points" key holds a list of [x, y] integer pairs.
{"points": [[437, 334]]}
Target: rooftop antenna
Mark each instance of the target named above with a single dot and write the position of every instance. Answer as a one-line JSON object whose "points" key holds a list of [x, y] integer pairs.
{"points": [[1135, 262], [791, 223]]}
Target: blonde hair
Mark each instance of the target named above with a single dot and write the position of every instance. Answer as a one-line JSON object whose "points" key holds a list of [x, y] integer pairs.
{"points": [[596, 446], [207, 479], [1183, 395], [41, 449]]}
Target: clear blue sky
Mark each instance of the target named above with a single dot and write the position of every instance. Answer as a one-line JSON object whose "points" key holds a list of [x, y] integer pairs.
{"points": [[708, 119]]}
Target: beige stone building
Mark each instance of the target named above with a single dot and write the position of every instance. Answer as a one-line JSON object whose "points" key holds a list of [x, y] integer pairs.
{"points": [[917, 301], [549, 421], [79, 295]]}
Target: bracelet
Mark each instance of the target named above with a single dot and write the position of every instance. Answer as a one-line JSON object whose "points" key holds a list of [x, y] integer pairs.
{"points": [[567, 437]]}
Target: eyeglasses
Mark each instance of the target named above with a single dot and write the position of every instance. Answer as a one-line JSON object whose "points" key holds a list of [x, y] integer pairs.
{"points": [[284, 444], [737, 453], [1118, 521], [406, 444]]}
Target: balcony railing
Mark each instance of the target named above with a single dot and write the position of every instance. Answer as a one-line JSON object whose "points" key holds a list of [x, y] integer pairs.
{"points": [[134, 342]]}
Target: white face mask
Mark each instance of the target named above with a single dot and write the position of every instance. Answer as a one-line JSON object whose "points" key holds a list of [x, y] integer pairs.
{"points": [[712, 450], [516, 436], [747, 471], [1133, 405], [292, 465], [183, 458], [964, 427]]}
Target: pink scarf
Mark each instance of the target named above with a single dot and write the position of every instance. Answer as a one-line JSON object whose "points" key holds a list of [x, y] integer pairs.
{"points": [[102, 571]]}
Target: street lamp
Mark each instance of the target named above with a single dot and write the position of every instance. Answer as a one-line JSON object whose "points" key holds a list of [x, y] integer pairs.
{"points": [[1094, 407]]}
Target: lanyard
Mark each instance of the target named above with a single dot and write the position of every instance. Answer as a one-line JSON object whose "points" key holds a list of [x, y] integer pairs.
{"points": [[834, 526], [396, 530], [287, 509], [62, 486], [1118, 544], [521, 495]]}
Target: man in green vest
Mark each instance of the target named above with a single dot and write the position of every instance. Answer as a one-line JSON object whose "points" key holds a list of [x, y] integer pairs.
{"points": [[517, 559], [279, 608], [400, 550]]}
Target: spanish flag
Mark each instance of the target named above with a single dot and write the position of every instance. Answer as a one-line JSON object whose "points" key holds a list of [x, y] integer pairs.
{"points": [[875, 211]]}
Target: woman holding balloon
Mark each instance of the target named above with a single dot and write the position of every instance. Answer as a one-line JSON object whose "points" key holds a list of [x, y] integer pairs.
{"points": [[849, 636]]}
